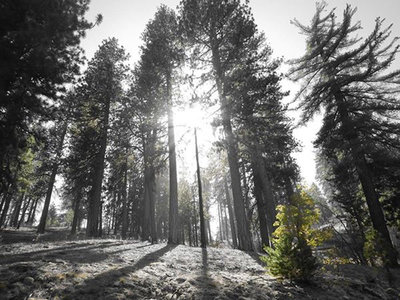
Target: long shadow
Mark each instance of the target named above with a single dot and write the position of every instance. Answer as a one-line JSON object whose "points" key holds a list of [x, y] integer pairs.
{"points": [[75, 254], [207, 287], [11, 236], [97, 287]]}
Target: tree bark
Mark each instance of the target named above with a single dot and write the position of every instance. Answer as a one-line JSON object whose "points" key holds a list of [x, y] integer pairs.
{"points": [[54, 169], [231, 215], [267, 200], [17, 209], [244, 236], [92, 229], [124, 201], [25, 207], [258, 194], [366, 179], [203, 239], [77, 205], [32, 212], [173, 234]]}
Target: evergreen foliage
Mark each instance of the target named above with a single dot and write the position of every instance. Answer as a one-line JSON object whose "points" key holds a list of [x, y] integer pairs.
{"points": [[351, 80], [294, 238]]}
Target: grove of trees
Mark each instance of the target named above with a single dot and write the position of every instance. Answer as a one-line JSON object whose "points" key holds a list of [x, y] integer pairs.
{"points": [[107, 133]]}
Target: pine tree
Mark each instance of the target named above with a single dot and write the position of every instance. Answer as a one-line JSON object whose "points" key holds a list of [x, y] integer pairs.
{"points": [[350, 79], [222, 30], [101, 87], [39, 42]]}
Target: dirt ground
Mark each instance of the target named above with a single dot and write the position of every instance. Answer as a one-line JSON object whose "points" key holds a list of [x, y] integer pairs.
{"points": [[50, 266]]}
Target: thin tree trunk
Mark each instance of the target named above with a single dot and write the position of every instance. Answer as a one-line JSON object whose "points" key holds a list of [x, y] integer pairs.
{"points": [[196, 241], [153, 227], [225, 221], [231, 215], [31, 211], [173, 235], [77, 206], [265, 235], [267, 195], [17, 209], [43, 218], [3, 200], [124, 201], [244, 236], [25, 207], [203, 239], [246, 190], [220, 223], [32, 214], [54, 169], [94, 211]]}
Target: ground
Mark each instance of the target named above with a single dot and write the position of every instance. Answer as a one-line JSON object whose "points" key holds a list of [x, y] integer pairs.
{"points": [[50, 266]]}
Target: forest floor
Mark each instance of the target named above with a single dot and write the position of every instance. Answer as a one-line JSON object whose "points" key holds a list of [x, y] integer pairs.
{"points": [[50, 266]]}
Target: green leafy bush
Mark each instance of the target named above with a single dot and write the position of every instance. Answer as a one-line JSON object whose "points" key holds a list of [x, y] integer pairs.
{"points": [[375, 250], [291, 255]]}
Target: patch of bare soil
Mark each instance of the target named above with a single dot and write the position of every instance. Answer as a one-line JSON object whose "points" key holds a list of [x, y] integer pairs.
{"points": [[49, 268]]}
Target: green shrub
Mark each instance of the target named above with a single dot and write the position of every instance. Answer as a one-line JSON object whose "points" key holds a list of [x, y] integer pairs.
{"points": [[374, 248], [291, 255]]}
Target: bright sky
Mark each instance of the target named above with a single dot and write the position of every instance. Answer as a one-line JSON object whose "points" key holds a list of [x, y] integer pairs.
{"points": [[126, 20]]}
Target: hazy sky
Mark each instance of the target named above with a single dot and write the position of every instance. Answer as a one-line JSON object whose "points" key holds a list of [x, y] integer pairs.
{"points": [[126, 20]]}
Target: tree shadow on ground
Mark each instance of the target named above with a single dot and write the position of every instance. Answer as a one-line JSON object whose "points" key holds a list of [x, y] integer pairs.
{"points": [[208, 288], [77, 253], [104, 284]]}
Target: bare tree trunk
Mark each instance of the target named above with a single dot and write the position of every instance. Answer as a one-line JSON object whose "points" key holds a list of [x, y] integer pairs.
{"points": [[265, 235], [32, 213], [94, 210], [267, 194], [153, 227], [196, 241], [203, 239], [173, 235], [244, 236], [54, 169], [220, 222], [246, 190], [366, 180], [77, 206], [231, 215], [17, 209], [124, 201], [25, 207]]}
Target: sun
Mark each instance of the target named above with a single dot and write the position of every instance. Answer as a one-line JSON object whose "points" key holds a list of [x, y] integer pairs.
{"points": [[190, 116]]}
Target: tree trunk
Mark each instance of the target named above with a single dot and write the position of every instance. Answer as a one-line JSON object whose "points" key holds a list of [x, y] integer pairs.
{"points": [[203, 239], [153, 227], [246, 190], [220, 222], [265, 235], [366, 179], [173, 234], [21, 220], [231, 215], [124, 201], [17, 209], [54, 169], [92, 229], [77, 205], [32, 212], [265, 184], [195, 234], [43, 218], [244, 236]]}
